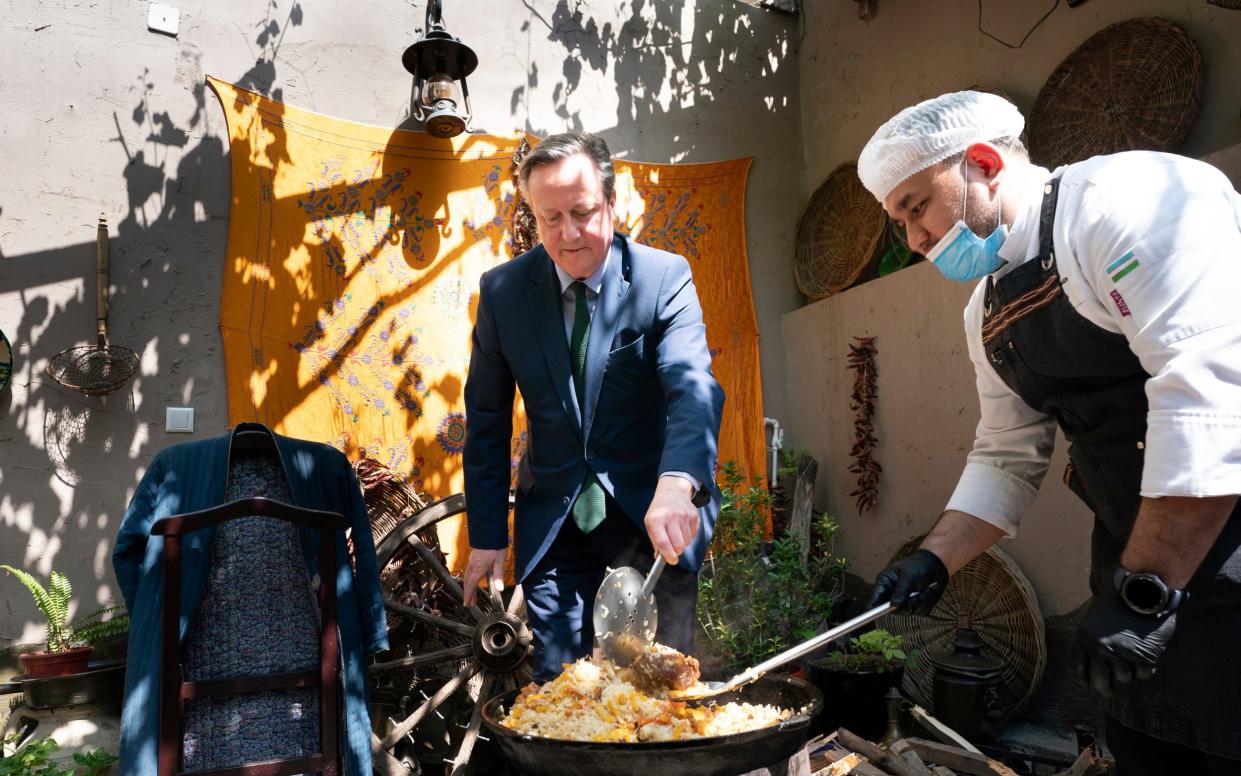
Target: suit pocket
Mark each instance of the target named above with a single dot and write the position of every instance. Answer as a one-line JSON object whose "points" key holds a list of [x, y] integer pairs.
{"points": [[635, 349]]}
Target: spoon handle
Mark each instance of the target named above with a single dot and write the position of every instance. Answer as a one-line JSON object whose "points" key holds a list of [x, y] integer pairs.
{"points": [[648, 586]]}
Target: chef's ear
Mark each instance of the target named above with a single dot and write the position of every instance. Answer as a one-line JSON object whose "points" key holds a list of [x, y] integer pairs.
{"points": [[987, 159]]}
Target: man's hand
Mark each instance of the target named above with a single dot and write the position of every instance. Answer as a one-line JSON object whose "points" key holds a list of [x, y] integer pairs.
{"points": [[1116, 644], [483, 563], [672, 519], [913, 583]]}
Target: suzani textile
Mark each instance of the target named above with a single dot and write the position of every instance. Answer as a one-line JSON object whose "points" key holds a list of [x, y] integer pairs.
{"points": [[351, 281]]}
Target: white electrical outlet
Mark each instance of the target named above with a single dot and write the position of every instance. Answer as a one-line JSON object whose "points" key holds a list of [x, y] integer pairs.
{"points": [[179, 420], [164, 18]]}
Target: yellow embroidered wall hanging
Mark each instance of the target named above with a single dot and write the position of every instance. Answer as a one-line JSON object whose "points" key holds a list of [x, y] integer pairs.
{"points": [[352, 270]]}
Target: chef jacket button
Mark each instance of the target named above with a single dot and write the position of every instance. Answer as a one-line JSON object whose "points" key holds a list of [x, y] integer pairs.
{"points": [[1141, 445], [1047, 189]]}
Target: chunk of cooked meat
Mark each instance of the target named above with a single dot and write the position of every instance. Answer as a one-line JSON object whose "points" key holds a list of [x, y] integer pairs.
{"points": [[658, 670]]}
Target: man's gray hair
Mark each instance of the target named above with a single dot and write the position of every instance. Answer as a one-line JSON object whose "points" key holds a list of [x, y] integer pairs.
{"points": [[560, 147]]}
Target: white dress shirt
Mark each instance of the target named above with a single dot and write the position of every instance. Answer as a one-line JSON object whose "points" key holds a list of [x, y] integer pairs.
{"points": [[1148, 245], [568, 302]]}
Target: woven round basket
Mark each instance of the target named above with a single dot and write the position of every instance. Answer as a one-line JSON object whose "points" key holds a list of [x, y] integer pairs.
{"points": [[1133, 85], [1233, 4], [838, 236], [991, 595]]}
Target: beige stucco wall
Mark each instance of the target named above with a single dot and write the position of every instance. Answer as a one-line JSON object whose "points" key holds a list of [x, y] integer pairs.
{"points": [[102, 115], [854, 75]]}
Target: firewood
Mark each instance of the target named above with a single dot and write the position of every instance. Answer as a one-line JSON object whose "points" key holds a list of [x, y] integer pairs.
{"points": [[891, 763], [915, 761], [958, 759], [863, 768], [945, 734]]}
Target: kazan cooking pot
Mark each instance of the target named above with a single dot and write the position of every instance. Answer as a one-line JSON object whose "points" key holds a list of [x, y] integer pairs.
{"points": [[967, 688], [717, 756]]}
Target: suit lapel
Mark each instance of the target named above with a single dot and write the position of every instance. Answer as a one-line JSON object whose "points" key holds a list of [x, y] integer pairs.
{"points": [[548, 315], [603, 324]]}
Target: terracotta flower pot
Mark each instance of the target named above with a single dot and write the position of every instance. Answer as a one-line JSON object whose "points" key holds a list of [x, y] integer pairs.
{"points": [[40, 665]]}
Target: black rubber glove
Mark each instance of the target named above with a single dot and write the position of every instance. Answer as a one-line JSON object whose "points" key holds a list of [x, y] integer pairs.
{"points": [[913, 584], [1117, 645]]}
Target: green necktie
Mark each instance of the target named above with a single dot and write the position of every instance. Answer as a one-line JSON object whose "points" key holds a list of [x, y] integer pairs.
{"points": [[590, 507]]}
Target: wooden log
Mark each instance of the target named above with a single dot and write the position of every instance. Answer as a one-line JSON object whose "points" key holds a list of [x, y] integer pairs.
{"points": [[801, 514], [891, 763], [941, 731], [862, 768], [915, 762], [958, 759]]}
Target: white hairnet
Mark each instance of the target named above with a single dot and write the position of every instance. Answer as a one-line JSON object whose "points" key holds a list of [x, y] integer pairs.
{"points": [[932, 131]]}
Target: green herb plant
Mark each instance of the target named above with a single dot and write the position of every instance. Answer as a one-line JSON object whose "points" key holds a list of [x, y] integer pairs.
{"points": [[875, 650], [756, 598], [34, 759], [53, 602]]}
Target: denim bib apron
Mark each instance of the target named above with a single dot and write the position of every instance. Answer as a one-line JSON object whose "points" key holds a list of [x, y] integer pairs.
{"points": [[1090, 381]]}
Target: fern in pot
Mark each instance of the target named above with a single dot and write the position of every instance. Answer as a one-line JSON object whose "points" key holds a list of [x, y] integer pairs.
{"points": [[68, 646]]}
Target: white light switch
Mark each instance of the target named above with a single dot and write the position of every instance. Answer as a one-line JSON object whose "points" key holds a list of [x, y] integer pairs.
{"points": [[179, 420], [164, 18]]}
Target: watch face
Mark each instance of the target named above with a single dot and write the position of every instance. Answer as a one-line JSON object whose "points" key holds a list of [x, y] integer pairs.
{"points": [[1145, 593]]}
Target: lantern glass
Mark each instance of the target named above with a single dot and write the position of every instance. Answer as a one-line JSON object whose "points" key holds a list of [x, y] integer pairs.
{"points": [[439, 88]]}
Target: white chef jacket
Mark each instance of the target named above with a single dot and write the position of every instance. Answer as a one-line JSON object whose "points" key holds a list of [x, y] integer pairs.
{"points": [[1148, 245]]}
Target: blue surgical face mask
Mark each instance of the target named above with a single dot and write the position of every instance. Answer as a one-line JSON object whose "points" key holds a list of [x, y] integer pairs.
{"points": [[962, 255]]}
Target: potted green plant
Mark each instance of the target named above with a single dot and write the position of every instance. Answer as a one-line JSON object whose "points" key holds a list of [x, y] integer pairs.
{"points": [[37, 757], [856, 678], [758, 597], [68, 646]]}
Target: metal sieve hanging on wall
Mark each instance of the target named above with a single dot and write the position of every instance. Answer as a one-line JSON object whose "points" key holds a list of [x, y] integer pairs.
{"points": [[99, 369]]}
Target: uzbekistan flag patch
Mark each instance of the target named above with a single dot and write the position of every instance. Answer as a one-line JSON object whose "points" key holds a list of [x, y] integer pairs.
{"points": [[1122, 266]]}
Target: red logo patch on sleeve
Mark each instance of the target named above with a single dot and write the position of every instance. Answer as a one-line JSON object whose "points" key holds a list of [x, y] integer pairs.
{"points": [[1120, 303]]}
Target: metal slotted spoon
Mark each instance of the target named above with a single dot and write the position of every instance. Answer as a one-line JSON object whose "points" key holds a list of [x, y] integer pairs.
{"points": [[711, 689], [625, 613]]}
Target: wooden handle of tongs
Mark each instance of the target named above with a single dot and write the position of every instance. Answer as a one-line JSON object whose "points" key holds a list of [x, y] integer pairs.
{"points": [[101, 279]]}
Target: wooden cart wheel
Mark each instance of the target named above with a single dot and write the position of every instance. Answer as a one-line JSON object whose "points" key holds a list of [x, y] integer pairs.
{"points": [[445, 660]]}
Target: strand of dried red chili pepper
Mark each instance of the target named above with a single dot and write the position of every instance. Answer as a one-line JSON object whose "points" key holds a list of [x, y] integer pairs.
{"points": [[862, 401]]}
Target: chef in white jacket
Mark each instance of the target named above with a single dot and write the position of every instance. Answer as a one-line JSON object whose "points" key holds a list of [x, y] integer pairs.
{"points": [[1108, 301]]}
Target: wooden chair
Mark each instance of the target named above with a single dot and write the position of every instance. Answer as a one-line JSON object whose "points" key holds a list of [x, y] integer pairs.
{"points": [[174, 691]]}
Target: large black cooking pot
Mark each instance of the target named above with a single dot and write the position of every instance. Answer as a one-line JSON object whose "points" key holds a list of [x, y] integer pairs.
{"points": [[718, 756]]}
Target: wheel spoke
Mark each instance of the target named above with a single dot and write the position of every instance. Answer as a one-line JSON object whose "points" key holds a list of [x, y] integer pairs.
{"points": [[462, 757], [427, 555], [384, 763], [432, 703], [425, 659], [514, 603], [434, 620]]}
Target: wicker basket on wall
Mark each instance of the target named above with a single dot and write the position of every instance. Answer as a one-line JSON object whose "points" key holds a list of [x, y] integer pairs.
{"points": [[1133, 85], [991, 595], [839, 236]]}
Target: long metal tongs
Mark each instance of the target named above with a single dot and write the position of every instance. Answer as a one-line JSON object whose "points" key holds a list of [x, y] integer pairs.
{"points": [[710, 690]]}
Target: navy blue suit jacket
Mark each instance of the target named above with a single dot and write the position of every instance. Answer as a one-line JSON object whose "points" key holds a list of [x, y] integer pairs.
{"points": [[652, 403]]}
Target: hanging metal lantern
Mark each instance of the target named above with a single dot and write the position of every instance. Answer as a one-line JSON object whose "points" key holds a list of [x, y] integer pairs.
{"points": [[440, 64]]}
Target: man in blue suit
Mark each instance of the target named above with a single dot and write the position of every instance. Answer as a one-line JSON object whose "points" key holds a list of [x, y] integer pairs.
{"points": [[605, 340]]}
